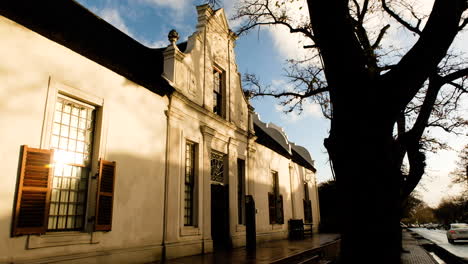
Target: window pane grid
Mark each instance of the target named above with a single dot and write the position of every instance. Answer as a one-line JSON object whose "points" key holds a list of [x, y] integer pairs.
{"points": [[217, 91], [72, 140], [189, 184]]}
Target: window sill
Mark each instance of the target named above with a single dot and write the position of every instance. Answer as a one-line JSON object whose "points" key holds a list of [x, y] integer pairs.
{"points": [[189, 231], [62, 239], [276, 226]]}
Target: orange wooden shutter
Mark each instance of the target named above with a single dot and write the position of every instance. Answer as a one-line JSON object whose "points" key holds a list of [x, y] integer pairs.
{"points": [[33, 194], [105, 196]]}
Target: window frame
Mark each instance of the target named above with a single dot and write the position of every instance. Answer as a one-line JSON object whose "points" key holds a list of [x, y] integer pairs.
{"points": [[194, 212], [73, 165], [275, 201], [307, 204], [87, 235], [241, 178], [221, 95]]}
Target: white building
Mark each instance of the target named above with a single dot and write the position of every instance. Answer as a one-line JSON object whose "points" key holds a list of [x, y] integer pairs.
{"points": [[115, 152]]}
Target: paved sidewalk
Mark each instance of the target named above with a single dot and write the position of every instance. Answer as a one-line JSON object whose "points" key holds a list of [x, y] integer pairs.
{"points": [[266, 252], [414, 252], [274, 251]]}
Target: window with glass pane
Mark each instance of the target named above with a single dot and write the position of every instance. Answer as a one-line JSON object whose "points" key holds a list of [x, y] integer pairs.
{"points": [[72, 136], [275, 201], [307, 204], [217, 92], [241, 191], [217, 167], [189, 184]]}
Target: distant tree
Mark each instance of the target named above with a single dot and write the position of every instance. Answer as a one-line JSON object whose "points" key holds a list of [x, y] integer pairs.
{"points": [[452, 210], [460, 174], [329, 204], [424, 214], [379, 104], [410, 206]]}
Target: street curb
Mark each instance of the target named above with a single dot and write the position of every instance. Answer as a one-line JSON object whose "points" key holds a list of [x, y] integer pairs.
{"points": [[441, 252], [444, 254]]}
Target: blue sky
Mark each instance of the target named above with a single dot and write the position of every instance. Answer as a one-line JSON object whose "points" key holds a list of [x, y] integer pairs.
{"points": [[262, 52]]}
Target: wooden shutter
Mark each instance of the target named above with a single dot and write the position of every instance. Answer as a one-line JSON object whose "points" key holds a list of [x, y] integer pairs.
{"points": [[279, 210], [308, 211], [105, 196], [272, 208], [33, 193]]}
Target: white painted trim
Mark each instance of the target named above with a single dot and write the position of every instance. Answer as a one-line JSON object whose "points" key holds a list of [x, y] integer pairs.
{"points": [[190, 231], [59, 239], [55, 90]]}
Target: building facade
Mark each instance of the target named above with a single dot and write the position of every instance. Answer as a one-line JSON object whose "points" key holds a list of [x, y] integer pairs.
{"points": [[115, 152]]}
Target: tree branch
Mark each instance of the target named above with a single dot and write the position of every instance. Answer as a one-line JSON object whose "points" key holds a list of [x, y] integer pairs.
{"points": [[379, 38], [293, 94], [455, 75], [422, 59], [399, 19]]}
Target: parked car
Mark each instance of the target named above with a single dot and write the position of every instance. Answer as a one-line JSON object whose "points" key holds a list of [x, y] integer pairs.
{"points": [[457, 231]]}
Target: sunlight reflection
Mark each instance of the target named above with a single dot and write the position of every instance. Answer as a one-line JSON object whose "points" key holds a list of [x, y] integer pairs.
{"points": [[62, 157]]}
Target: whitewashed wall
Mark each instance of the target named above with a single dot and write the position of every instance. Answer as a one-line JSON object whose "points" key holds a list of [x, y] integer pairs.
{"points": [[133, 133]]}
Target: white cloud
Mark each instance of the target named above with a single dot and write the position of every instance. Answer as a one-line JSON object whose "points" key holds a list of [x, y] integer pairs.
{"points": [[112, 15], [178, 5], [291, 45], [158, 44], [309, 110]]}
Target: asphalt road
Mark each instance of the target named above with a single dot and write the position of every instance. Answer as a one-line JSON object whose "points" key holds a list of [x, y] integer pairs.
{"points": [[460, 248]]}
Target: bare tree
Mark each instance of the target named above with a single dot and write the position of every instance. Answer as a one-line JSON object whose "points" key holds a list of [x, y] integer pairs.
{"points": [[460, 174], [369, 91]]}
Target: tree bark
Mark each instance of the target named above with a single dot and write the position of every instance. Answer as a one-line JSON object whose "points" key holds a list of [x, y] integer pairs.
{"points": [[361, 147], [366, 106]]}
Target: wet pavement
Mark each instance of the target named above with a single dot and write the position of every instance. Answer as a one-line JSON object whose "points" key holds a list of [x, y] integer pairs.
{"points": [[279, 251], [414, 253], [439, 237], [266, 252]]}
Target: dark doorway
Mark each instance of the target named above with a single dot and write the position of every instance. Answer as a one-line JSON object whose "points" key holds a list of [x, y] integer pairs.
{"points": [[220, 216], [251, 235]]}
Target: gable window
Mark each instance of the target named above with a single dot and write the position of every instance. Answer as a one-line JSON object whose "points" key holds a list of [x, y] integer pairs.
{"points": [[307, 204], [189, 191], [275, 201], [218, 92]]}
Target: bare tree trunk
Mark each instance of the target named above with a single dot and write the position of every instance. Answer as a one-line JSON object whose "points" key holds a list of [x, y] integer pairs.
{"points": [[361, 148]]}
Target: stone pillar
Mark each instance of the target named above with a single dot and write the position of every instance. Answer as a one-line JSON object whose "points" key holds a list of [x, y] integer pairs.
{"points": [[292, 187], [205, 182], [232, 181], [173, 177]]}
